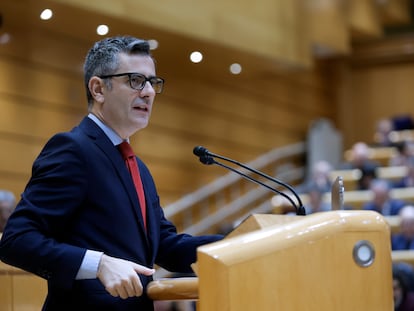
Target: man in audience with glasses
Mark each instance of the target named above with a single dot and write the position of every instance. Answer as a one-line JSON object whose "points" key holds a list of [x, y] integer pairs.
{"points": [[83, 222]]}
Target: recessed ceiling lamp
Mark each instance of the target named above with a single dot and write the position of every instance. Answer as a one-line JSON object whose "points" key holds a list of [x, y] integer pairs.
{"points": [[46, 14], [102, 30], [196, 57], [235, 68]]}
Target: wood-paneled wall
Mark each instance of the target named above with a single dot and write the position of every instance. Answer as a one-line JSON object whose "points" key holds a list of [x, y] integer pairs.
{"points": [[241, 116], [41, 92], [375, 82]]}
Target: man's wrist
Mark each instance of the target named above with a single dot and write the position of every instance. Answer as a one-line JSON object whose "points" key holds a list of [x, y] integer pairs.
{"points": [[90, 265]]}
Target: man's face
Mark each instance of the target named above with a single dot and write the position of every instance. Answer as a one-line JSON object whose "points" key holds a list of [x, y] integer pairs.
{"points": [[380, 196], [123, 108], [407, 228]]}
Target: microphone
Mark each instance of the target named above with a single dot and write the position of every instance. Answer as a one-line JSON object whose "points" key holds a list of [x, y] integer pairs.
{"points": [[207, 157]]}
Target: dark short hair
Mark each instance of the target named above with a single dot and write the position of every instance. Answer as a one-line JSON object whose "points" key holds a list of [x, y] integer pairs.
{"points": [[102, 58]]}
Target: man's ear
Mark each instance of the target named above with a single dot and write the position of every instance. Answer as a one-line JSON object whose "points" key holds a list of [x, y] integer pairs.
{"points": [[96, 87]]}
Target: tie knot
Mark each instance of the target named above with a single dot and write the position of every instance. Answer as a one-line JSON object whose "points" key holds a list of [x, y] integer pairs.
{"points": [[126, 150]]}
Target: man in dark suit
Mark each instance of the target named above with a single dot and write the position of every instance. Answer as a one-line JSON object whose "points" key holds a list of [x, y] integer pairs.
{"points": [[79, 223], [382, 202], [404, 238]]}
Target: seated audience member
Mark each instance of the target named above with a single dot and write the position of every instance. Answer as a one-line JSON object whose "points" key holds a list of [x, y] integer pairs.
{"points": [[408, 179], [7, 205], [407, 270], [319, 178], [404, 154], [403, 292], [360, 159], [316, 203], [382, 202], [383, 129], [404, 239]]}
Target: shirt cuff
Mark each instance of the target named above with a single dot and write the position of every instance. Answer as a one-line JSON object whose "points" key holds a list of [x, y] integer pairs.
{"points": [[89, 266]]}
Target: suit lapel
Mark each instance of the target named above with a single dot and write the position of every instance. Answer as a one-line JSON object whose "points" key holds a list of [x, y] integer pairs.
{"points": [[114, 156]]}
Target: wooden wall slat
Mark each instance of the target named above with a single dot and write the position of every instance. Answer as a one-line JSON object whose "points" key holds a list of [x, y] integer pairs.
{"points": [[40, 84], [377, 92], [17, 156], [22, 117], [6, 294]]}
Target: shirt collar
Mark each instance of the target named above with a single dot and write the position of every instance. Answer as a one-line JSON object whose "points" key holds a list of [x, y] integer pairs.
{"points": [[112, 135]]}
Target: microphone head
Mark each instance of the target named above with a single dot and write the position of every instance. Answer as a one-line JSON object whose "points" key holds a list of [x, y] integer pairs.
{"points": [[200, 151], [206, 159]]}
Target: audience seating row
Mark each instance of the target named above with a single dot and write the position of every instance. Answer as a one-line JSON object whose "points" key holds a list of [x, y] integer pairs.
{"points": [[351, 177], [352, 199], [381, 155]]}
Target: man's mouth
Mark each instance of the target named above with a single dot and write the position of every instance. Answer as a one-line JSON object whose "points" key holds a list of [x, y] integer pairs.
{"points": [[141, 108]]}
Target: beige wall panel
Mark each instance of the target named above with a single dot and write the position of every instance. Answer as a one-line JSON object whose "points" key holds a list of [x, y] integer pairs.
{"points": [[34, 121], [238, 130], [276, 29], [369, 93], [379, 92], [41, 93], [13, 182], [335, 38], [48, 50], [53, 88], [364, 18], [17, 156], [344, 103]]}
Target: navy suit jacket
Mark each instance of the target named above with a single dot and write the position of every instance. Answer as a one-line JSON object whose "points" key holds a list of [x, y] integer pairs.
{"points": [[400, 242], [81, 196], [394, 204]]}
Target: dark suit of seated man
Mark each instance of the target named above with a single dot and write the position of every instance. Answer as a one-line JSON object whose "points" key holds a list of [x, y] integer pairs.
{"points": [[79, 223], [382, 202]]}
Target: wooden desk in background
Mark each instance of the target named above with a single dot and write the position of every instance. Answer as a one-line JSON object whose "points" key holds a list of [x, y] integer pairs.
{"points": [[20, 290]]}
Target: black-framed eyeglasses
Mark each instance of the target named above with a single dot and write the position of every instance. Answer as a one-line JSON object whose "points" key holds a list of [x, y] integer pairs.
{"points": [[137, 81]]}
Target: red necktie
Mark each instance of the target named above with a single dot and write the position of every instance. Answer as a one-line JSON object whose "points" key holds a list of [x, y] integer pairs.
{"points": [[132, 165]]}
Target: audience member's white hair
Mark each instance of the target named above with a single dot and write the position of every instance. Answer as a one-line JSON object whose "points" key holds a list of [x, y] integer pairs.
{"points": [[407, 212], [7, 196]]}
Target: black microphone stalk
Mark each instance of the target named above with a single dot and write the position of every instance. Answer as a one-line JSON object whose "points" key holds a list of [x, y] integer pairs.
{"points": [[207, 157]]}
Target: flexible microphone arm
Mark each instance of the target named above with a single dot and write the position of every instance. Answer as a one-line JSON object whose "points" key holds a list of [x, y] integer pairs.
{"points": [[208, 160], [207, 157]]}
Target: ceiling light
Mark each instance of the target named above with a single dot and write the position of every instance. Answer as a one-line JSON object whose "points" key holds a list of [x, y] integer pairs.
{"points": [[196, 57], [235, 68], [102, 30], [46, 14]]}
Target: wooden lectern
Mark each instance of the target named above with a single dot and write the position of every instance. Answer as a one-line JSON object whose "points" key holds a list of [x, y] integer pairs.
{"points": [[337, 260]]}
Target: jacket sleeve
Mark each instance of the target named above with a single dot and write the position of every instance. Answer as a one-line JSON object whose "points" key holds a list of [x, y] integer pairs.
{"points": [[32, 239], [177, 252]]}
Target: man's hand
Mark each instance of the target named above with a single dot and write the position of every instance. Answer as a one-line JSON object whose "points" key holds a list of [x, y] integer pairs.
{"points": [[120, 277]]}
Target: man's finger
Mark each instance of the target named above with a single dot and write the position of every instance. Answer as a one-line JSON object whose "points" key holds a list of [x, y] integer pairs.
{"points": [[122, 292], [136, 284], [144, 270]]}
